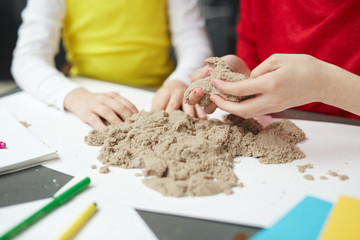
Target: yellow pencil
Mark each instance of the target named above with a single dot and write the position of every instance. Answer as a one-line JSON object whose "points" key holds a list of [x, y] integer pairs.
{"points": [[79, 223]]}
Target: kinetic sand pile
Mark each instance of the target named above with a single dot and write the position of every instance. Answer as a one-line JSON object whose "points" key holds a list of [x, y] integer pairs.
{"points": [[183, 156]]}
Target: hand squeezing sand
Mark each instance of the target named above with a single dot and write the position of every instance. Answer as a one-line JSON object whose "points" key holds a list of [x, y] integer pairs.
{"points": [[220, 70]]}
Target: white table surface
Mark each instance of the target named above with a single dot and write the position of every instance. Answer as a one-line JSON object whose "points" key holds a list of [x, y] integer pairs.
{"points": [[269, 192]]}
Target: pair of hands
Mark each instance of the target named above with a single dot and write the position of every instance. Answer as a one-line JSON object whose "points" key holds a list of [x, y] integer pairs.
{"points": [[100, 109], [280, 82]]}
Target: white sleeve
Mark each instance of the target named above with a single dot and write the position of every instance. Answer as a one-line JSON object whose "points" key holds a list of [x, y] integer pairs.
{"points": [[189, 38], [33, 65]]}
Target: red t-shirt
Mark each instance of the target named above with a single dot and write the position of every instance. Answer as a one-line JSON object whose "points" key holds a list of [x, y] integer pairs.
{"points": [[326, 29]]}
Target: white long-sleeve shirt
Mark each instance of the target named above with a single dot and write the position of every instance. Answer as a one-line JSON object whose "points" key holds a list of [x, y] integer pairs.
{"points": [[33, 66]]}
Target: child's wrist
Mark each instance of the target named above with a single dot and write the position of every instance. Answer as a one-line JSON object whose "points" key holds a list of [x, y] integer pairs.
{"points": [[71, 97]]}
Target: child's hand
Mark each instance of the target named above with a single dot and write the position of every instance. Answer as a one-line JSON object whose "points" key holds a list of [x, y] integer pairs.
{"points": [[94, 108], [282, 81], [170, 97], [236, 64], [196, 95]]}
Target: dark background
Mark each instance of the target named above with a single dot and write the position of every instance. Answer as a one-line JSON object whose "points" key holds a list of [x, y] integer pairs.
{"points": [[219, 15], [9, 22]]}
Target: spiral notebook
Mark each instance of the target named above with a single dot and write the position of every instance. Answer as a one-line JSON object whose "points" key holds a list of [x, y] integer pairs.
{"points": [[23, 149]]}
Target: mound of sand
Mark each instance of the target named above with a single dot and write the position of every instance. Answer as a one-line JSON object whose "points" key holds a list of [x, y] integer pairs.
{"points": [[183, 156]]}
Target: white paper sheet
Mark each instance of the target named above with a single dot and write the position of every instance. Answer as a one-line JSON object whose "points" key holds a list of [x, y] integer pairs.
{"points": [[22, 148]]}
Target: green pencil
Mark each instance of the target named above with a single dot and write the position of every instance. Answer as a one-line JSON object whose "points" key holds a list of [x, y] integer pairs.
{"points": [[56, 202]]}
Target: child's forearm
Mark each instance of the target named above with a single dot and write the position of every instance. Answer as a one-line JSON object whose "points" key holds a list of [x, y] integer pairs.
{"points": [[342, 89]]}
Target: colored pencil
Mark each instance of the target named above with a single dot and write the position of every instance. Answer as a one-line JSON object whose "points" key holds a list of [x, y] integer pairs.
{"points": [[79, 222], [55, 203]]}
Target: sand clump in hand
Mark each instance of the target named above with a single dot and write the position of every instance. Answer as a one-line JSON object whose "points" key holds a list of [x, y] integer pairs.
{"points": [[182, 156], [221, 70]]}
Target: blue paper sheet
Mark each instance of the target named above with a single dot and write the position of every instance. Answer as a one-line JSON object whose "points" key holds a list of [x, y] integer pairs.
{"points": [[304, 221]]}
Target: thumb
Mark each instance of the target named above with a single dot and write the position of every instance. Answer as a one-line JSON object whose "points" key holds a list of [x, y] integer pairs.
{"points": [[270, 64]]}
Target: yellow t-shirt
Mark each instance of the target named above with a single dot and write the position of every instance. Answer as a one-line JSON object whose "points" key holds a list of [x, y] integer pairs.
{"points": [[123, 41]]}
